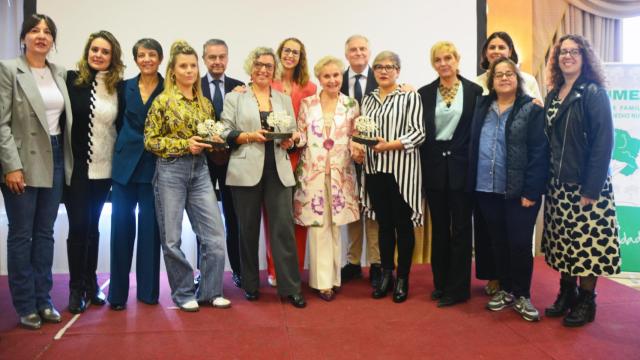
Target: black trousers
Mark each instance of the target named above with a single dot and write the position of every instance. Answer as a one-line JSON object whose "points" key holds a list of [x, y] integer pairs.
{"points": [[218, 175], [84, 200], [393, 215], [510, 227], [485, 265], [450, 212]]}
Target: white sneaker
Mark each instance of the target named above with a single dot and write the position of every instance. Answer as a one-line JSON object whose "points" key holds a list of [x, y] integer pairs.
{"points": [[221, 303], [500, 300], [190, 306], [272, 281], [524, 307]]}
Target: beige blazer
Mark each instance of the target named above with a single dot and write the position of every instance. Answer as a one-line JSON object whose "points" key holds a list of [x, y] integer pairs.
{"points": [[24, 131], [247, 161]]}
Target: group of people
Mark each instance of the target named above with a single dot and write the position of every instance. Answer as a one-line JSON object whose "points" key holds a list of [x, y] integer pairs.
{"points": [[481, 153]]}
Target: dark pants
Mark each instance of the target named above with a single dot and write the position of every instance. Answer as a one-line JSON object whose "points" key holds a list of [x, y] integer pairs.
{"points": [[84, 200], [124, 199], [510, 227], [278, 204], [450, 212], [393, 215], [31, 217], [485, 265], [218, 175]]}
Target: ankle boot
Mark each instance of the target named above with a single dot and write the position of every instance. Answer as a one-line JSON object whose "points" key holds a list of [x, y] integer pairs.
{"points": [[565, 300], [77, 302], [584, 311], [386, 283], [401, 290]]}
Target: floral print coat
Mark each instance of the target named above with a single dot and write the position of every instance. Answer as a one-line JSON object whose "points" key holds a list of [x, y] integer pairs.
{"points": [[309, 195]]}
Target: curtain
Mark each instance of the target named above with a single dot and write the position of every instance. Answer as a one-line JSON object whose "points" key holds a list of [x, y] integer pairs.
{"points": [[609, 8], [11, 15]]}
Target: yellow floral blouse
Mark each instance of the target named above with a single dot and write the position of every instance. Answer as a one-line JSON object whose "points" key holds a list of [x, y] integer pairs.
{"points": [[171, 121]]}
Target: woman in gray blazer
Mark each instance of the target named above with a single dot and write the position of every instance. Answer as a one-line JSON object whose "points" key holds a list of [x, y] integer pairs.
{"points": [[260, 175], [35, 158]]}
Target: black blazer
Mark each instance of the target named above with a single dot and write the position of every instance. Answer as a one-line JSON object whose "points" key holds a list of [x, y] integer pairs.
{"points": [[372, 84], [229, 84], [445, 163]]}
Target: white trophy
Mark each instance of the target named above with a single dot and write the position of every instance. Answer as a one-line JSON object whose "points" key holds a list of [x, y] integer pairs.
{"points": [[208, 129], [278, 120], [366, 127]]}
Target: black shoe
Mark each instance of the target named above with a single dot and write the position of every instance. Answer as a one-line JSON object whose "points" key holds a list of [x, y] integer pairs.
{"points": [[77, 302], [386, 283], [584, 310], [436, 294], [50, 315], [237, 279], [251, 295], [449, 301], [375, 272], [118, 307], [350, 272], [98, 298], [401, 290], [297, 300], [566, 299], [31, 321]]}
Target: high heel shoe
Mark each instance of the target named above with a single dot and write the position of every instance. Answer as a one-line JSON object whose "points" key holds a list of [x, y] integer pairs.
{"points": [[401, 290], [386, 283], [565, 300]]}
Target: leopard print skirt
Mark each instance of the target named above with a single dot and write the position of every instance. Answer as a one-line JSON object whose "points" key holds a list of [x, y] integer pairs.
{"points": [[580, 240]]}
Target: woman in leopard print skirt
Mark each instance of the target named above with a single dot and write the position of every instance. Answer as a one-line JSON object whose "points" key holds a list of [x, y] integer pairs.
{"points": [[580, 237]]}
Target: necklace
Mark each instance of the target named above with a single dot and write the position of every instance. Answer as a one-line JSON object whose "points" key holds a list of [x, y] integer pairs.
{"points": [[40, 72], [449, 93], [328, 119]]}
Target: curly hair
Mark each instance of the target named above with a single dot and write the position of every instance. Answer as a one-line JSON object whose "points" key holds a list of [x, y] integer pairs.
{"points": [[181, 47], [484, 62], [591, 69], [514, 68], [301, 71], [116, 68], [255, 54]]}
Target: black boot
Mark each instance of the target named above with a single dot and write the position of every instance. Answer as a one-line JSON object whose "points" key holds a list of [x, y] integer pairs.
{"points": [[386, 283], [401, 290], [584, 311], [375, 272], [565, 300], [77, 302]]}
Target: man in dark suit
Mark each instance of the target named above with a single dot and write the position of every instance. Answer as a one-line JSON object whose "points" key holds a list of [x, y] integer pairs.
{"points": [[215, 85], [357, 82]]}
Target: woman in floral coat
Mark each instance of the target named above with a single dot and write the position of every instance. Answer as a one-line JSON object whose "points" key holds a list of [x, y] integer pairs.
{"points": [[325, 194]]}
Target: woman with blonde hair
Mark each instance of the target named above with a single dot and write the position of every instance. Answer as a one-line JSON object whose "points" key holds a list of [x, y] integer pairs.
{"points": [[182, 182], [94, 90]]}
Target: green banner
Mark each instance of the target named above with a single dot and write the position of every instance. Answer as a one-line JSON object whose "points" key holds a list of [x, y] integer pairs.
{"points": [[623, 83]]}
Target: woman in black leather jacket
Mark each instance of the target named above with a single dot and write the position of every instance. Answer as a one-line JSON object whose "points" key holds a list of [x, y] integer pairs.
{"points": [[580, 228], [509, 164]]}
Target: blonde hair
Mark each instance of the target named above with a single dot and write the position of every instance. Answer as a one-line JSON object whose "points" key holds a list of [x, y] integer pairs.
{"points": [[181, 47], [327, 60], [446, 46]]}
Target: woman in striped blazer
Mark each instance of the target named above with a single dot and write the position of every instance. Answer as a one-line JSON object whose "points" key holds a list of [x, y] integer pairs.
{"points": [[393, 179]]}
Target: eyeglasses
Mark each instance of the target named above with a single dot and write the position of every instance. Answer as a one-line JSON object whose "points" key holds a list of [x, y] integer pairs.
{"points": [[500, 75], [572, 52], [388, 68], [259, 65], [288, 51]]}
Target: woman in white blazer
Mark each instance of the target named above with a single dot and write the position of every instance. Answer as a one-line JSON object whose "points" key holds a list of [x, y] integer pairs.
{"points": [[260, 174], [35, 158]]}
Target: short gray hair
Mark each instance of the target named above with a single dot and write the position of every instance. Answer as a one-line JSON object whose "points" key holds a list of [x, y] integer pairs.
{"points": [[212, 42], [255, 54], [353, 37], [387, 55]]}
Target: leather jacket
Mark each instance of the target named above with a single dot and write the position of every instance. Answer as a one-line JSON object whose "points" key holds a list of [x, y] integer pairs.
{"points": [[581, 137]]}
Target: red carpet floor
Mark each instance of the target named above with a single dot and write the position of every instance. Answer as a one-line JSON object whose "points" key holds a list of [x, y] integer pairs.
{"points": [[353, 326]]}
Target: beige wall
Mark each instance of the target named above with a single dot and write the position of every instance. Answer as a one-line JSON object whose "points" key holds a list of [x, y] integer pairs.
{"points": [[516, 18]]}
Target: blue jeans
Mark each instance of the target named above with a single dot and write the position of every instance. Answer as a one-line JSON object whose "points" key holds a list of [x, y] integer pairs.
{"points": [[31, 217], [180, 184]]}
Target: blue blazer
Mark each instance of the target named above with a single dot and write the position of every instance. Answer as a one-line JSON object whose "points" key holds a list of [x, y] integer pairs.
{"points": [[131, 162]]}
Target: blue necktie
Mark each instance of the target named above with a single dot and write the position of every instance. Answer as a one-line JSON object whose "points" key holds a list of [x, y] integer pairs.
{"points": [[357, 90], [217, 99]]}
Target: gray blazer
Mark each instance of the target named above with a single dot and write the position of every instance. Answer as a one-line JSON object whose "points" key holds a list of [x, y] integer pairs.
{"points": [[24, 132], [247, 161]]}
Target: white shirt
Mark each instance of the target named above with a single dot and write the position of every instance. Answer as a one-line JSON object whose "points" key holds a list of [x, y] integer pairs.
{"points": [[363, 80], [51, 96], [212, 87]]}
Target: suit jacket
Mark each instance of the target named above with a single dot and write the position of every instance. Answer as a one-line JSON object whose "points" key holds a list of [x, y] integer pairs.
{"points": [[372, 84], [229, 85], [131, 161], [445, 163], [246, 163], [24, 132]]}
